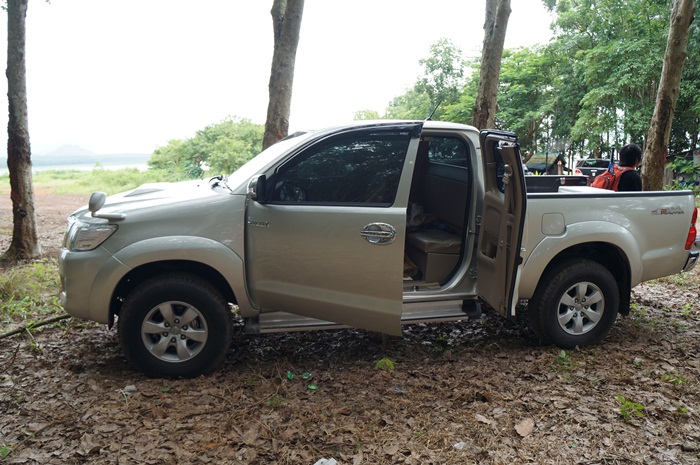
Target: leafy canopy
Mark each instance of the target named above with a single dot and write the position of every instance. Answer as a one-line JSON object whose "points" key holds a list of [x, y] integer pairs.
{"points": [[590, 90], [223, 147]]}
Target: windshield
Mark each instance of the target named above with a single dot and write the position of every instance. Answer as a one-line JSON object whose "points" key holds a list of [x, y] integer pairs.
{"points": [[259, 162]]}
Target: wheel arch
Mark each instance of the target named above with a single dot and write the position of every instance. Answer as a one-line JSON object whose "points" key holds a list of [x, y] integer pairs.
{"points": [[610, 256], [150, 270], [201, 256]]}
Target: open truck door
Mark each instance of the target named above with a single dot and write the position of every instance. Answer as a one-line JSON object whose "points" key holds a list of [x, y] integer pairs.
{"points": [[502, 220], [328, 242]]}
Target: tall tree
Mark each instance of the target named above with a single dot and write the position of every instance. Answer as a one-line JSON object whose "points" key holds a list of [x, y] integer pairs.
{"points": [[25, 240], [286, 23], [497, 14], [437, 89], [524, 95], [685, 131], [443, 73], [654, 159], [607, 72]]}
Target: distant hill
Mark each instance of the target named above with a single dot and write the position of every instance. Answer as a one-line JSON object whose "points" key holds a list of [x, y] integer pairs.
{"points": [[67, 151]]}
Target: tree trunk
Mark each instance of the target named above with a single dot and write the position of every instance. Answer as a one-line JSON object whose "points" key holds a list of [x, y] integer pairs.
{"points": [[286, 23], [25, 242], [656, 150], [497, 14]]}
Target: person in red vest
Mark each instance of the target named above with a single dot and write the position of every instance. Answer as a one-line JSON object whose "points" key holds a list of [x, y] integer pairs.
{"points": [[630, 157]]}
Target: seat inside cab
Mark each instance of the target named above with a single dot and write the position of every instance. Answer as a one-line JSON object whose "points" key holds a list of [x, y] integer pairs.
{"points": [[437, 208]]}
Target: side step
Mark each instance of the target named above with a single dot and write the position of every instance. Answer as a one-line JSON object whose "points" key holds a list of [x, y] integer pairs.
{"points": [[416, 312]]}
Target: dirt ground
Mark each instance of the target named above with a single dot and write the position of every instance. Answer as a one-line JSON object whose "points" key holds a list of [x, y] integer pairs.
{"points": [[480, 391]]}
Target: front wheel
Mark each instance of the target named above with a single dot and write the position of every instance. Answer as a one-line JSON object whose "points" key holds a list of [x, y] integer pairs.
{"points": [[575, 304], [175, 326]]}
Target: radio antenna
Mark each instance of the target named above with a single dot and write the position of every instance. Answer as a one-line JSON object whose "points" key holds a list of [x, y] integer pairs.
{"points": [[429, 118]]}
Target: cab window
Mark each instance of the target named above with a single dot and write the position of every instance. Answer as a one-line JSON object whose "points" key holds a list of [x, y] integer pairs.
{"points": [[358, 169], [447, 151]]}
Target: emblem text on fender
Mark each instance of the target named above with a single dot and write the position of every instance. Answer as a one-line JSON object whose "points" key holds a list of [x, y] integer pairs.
{"points": [[668, 211], [259, 224]]}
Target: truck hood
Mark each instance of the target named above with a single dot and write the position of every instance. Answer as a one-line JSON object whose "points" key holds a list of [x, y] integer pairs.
{"points": [[158, 196]]}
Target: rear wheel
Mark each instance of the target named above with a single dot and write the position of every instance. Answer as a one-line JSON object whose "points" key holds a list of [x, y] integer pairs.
{"points": [[575, 304], [175, 326]]}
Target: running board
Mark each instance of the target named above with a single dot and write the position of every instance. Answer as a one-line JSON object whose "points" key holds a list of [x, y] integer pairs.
{"points": [[415, 312]]}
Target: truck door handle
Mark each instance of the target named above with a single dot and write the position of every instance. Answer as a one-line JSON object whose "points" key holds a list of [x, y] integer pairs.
{"points": [[378, 233]]}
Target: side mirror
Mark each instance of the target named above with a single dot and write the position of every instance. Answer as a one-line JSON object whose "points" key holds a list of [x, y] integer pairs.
{"points": [[97, 200], [256, 188]]}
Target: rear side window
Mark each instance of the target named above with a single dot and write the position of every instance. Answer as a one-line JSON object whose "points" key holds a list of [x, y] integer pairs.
{"points": [[448, 151], [359, 169]]}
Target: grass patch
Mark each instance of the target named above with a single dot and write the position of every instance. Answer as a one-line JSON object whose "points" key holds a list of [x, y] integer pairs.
{"points": [[99, 179], [384, 364], [276, 401], [673, 379], [643, 319], [563, 363], [5, 451], [629, 409], [29, 291]]}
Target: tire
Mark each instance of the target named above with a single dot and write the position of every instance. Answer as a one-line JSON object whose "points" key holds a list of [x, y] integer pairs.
{"points": [[575, 304], [175, 326]]}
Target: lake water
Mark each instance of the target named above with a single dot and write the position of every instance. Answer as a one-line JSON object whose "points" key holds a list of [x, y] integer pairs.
{"points": [[79, 167]]}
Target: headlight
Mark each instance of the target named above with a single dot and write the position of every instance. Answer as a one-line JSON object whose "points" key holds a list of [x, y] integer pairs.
{"points": [[87, 236]]}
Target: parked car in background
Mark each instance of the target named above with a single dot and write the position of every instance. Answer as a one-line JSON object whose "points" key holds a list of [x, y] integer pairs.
{"points": [[591, 167], [547, 163]]}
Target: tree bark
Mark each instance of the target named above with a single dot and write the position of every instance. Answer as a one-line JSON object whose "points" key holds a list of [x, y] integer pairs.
{"points": [[25, 241], [497, 14], [656, 150], [286, 23]]}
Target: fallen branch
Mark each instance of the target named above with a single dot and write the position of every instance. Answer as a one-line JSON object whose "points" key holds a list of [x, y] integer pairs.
{"points": [[33, 325]]}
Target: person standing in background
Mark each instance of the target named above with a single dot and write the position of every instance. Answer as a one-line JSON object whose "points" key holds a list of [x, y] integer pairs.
{"points": [[630, 158]]}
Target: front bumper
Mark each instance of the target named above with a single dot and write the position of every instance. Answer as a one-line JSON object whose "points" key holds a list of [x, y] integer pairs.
{"points": [[82, 294]]}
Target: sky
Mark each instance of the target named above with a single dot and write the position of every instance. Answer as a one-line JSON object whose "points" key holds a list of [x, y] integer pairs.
{"points": [[127, 76]]}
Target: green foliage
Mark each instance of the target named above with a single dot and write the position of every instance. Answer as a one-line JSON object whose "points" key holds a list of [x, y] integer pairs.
{"points": [[589, 91], [614, 51], [413, 105], [443, 73], [99, 179], [29, 290], [223, 148], [685, 129], [682, 411], [439, 88], [363, 115], [673, 379], [276, 401], [5, 450], [563, 363], [629, 409], [441, 344], [461, 110], [384, 364], [525, 96], [686, 172]]}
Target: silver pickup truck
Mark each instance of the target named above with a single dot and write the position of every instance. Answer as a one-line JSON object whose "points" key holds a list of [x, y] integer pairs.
{"points": [[369, 225]]}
